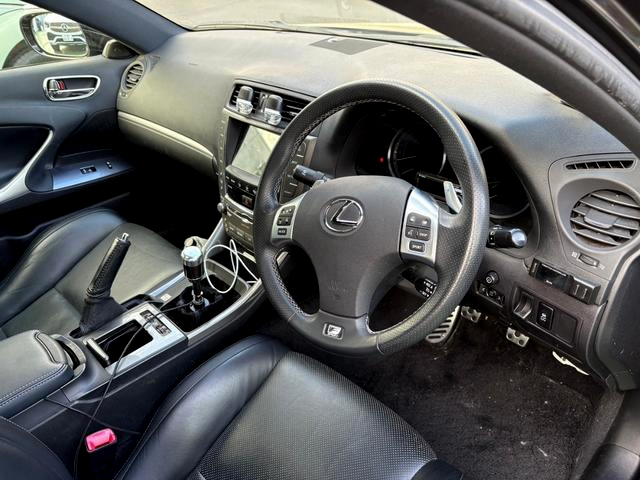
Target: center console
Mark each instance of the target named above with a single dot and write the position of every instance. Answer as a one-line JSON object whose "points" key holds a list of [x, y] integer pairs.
{"points": [[142, 348], [251, 126], [52, 384]]}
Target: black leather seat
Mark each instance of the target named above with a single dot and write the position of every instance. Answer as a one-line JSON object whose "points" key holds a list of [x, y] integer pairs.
{"points": [[45, 290], [258, 411]]}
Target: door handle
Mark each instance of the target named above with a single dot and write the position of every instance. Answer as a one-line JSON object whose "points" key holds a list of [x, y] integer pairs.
{"points": [[70, 87]]}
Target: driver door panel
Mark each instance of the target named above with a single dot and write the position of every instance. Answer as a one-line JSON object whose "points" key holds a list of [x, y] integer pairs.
{"points": [[56, 157]]}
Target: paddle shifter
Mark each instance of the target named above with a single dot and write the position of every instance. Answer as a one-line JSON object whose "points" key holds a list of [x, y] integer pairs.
{"points": [[99, 305], [193, 265]]}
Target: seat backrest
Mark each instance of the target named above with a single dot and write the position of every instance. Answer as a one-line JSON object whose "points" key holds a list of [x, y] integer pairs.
{"points": [[24, 457]]}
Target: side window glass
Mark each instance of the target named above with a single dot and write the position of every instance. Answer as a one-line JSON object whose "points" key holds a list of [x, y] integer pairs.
{"points": [[30, 35]]}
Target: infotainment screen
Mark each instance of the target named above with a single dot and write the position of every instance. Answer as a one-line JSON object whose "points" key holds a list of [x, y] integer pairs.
{"points": [[253, 154]]}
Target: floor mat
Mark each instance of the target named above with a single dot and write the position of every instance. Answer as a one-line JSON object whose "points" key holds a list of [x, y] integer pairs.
{"points": [[492, 409]]}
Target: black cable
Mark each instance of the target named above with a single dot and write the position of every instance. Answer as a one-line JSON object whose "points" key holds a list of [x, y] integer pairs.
{"points": [[96, 420], [106, 390]]}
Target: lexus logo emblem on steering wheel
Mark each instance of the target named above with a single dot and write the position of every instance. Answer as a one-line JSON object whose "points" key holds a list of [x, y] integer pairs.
{"points": [[343, 215]]}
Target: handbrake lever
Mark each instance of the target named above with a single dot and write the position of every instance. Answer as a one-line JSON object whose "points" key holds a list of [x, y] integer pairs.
{"points": [[99, 305]]}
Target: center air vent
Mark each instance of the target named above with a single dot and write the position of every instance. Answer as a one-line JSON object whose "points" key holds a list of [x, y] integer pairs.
{"points": [[605, 218], [132, 76], [291, 106]]}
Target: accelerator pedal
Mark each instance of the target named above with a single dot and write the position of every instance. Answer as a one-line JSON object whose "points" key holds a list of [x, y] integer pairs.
{"points": [[446, 328]]}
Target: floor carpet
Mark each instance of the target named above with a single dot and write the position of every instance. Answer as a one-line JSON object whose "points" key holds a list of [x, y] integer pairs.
{"points": [[490, 408]]}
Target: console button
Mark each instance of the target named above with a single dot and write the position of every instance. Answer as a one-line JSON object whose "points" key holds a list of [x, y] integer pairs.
{"points": [[544, 317], [491, 278], [582, 290], [416, 246], [282, 231], [284, 221], [549, 275], [587, 260], [287, 211]]}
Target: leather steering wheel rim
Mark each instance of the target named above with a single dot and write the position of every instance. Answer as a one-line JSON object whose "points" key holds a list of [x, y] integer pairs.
{"points": [[457, 250]]}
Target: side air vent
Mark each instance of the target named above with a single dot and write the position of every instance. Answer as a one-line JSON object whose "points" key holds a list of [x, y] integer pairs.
{"points": [[598, 164], [606, 218], [132, 76], [291, 106]]}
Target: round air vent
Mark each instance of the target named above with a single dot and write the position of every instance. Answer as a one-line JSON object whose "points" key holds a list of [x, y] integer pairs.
{"points": [[132, 76], [605, 219]]}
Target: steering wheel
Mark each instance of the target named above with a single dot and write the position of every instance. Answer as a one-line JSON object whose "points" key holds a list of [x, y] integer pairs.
{"points": [[354, 229]]}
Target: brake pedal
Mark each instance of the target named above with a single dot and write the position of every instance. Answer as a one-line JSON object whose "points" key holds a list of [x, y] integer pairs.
{"points": [[471, 314], [517, 337], [444, 331]]}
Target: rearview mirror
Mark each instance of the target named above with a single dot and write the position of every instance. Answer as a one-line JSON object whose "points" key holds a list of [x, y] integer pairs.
{"points": [[53, 35]]}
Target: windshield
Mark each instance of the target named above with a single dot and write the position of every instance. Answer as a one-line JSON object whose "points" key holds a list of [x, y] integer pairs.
{"points": [[361, 18]]}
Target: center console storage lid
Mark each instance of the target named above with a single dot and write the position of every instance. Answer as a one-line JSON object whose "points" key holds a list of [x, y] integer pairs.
{"points": [[32, 365]]}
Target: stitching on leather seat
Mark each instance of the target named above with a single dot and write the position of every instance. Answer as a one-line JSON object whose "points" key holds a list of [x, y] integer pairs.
{"points": [[145, 438], [31, 385]]}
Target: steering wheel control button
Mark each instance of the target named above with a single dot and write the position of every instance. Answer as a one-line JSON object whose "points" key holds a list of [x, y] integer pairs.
{"points": [[343, 215], [417, 220], [420, 228], [282, 228], [285, 218], [333, 331], [424, 234], [544, 317], [417, 246]]}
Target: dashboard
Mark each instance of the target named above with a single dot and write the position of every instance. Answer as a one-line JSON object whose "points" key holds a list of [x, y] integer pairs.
{"points": [[552, 172]]}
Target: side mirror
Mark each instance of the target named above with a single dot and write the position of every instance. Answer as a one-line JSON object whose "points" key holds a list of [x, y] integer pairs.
{"points": [[53, 35]]}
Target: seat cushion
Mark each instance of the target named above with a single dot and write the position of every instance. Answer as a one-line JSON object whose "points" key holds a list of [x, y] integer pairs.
{"points": [[259, 411], [45, 291], [24, 457]]}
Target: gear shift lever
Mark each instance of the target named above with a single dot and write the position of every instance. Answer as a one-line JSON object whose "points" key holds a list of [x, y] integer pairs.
{"points": [[193, 265]]}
